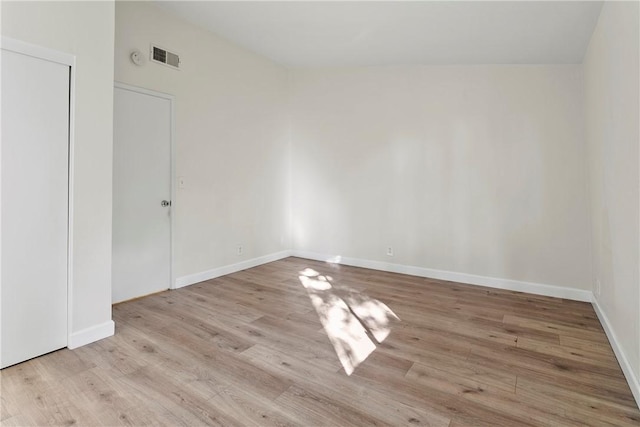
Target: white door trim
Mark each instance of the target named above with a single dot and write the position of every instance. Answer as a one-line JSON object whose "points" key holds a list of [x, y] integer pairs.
{"points": [[171, 99], [36, 51], [68, 59]]}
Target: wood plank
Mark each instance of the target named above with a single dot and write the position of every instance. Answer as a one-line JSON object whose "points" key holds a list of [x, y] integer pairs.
{"points": [[592, 407], [557, 327], [493, 397], [581, 355], [252, 411], [371, 400], [317, 409]]}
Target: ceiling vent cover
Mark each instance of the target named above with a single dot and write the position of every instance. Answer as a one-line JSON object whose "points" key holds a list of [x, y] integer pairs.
{"points": [[163, 56]]}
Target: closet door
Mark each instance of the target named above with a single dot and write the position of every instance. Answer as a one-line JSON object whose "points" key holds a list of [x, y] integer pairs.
{"points": [[34, 211]]}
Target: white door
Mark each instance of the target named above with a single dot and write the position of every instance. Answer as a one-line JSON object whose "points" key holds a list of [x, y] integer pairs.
{"points": [[34, 224], [141, 182]]}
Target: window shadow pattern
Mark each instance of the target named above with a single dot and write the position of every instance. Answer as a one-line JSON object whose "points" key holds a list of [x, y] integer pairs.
{"points": [[353, 321]]}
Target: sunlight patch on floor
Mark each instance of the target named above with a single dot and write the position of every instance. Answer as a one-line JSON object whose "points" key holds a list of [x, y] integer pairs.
{"points": [[350, 318]]}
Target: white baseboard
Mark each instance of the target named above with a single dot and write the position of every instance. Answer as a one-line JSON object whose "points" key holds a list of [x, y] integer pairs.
{"points": [[472, 279], [228, 269], [632, 379], [89, 335]]}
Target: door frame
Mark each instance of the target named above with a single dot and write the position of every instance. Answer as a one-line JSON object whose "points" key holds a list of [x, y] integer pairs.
{"points": [[172, 172], [52, 55]]}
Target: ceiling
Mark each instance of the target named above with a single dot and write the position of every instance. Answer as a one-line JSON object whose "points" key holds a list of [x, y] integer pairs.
{"points": [[363, 33]]}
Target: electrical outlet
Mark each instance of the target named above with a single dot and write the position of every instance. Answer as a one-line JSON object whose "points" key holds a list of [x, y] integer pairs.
{"points": [[598, 287], [239, 250], [181, 183], [389, 251]]}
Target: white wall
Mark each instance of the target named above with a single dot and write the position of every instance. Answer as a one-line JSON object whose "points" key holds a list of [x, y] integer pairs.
{"points": [[468, 169], [231, 138], [84, 29], [612, 111]]}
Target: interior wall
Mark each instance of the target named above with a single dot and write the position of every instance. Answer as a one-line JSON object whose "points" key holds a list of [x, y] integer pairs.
{"points": [[612, 110], [231, 138], [468, 169], [86, 30]]}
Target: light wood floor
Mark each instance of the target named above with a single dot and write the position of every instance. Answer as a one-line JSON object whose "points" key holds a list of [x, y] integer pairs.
{"points": [[259, 348]]}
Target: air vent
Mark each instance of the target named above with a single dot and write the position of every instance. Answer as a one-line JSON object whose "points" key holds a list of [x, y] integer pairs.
{"points": [[163, 56]]}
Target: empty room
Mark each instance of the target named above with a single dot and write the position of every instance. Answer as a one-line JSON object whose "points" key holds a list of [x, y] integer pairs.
{"points": [[326, 213]]}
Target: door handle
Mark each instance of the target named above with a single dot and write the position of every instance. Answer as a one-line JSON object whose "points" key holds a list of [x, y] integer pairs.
{"points": [[165, 203]]}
